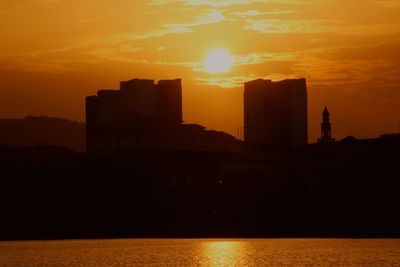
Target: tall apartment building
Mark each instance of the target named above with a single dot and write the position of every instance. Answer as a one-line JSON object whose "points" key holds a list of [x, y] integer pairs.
{"points": [[275, 113], [169, 102], [142, 114]]}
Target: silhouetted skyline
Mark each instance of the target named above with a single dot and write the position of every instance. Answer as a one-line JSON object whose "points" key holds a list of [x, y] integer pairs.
{"points": [[149, 174], [54, 53], [142, 106]]}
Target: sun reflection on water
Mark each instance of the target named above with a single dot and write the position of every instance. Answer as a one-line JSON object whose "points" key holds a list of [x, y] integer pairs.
{"points": [[223, 253]]}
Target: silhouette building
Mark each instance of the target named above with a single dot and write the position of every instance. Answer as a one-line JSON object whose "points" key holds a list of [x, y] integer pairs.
{"points": [[132, 116], [275, 113], [145, 115], [326, 129]]}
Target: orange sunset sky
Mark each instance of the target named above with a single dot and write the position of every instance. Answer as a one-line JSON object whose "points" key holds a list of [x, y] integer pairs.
{"points": [[55, 52]]}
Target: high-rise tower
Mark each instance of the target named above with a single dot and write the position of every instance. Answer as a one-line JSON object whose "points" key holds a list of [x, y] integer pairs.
{"points": [[169, 102], [275, 113], [142, 114]]}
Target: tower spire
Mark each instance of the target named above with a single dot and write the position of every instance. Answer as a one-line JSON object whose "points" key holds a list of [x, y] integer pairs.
{"points": [[326, 128]]}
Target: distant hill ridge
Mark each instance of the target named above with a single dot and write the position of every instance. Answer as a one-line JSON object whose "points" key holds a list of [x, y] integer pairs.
{"points": [[42, 130]]}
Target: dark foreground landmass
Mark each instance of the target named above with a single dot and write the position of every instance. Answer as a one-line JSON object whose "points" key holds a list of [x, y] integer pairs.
{"points": [[349, 188]]}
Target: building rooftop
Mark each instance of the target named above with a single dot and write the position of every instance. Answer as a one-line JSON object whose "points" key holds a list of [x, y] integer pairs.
{"points": [[107, 92], [267, 81]]}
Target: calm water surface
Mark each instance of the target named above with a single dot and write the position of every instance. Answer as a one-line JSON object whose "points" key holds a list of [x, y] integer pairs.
{"points": [[203, 252]]}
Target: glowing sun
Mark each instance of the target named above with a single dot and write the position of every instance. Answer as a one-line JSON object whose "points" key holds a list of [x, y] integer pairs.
{"points": [[217, 61]]}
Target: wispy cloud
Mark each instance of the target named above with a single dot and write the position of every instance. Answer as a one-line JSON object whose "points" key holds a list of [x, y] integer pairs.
{"points": [[226, 3], [257, 58], [286, 26], [225, 82], [389, 3], [235, 81], [255, 13], [209, 17], [213, 3], [122, 53], [45, 2]]}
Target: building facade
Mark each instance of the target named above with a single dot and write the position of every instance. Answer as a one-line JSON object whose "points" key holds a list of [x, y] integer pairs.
{"points": [[275, 113]]}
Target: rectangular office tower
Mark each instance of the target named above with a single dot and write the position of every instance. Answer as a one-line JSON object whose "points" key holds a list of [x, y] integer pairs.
{"points": [[275, 113]]}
